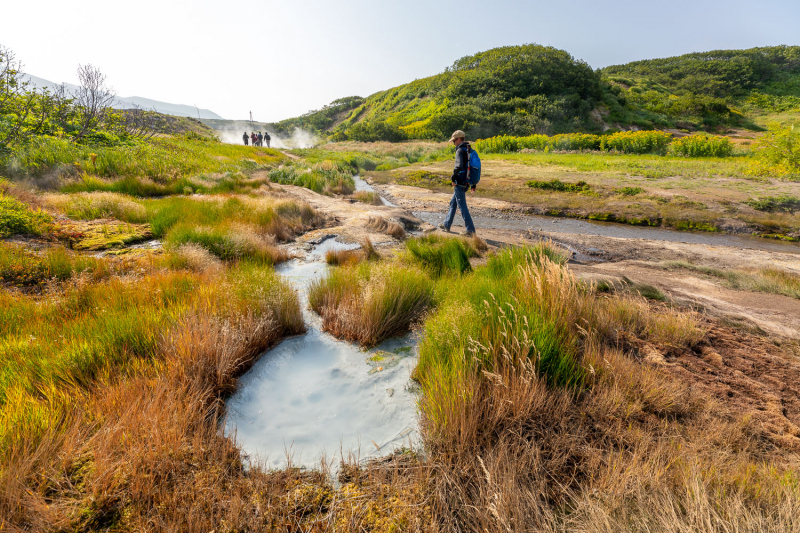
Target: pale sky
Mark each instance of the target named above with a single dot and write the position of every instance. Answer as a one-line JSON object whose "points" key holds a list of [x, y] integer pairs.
{"points": [[281, 59]]}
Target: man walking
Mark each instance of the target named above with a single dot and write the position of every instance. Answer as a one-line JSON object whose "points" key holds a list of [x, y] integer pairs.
{"points": [[267, 138], [460, 185], [245, 138]]}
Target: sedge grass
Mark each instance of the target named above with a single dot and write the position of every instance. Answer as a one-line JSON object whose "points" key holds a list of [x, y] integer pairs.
{"points": [[441, 255], [371, 301], [20, 266]]}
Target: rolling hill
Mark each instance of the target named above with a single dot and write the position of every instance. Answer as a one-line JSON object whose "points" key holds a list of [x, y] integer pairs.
{"points": [[521, 90]]}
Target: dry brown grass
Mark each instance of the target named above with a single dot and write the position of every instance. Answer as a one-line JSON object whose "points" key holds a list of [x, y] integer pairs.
{"points": [[197, 258], [368, 197], [343, 257], [381, 225]]}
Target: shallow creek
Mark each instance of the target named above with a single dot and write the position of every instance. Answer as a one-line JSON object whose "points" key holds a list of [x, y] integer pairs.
{"points": [[612, 229], [313, 396]]}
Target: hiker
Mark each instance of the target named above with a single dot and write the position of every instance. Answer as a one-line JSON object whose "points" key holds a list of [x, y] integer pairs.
{"points": [[267, 138], [253, 138], [461, 182], [244, 138], [260, 139]]}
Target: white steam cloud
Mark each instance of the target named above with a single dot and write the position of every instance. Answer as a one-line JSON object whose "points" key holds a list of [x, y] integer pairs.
{"points": [[300, 138]]}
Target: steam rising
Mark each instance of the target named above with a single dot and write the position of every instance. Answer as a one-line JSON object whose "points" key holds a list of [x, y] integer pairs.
{"points": [[300, 138]]}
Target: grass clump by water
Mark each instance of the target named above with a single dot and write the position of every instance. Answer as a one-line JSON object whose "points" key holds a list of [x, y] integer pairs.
{"points": [[368, 197], [441, 255], [343, 257], [370, 302], [381, 225]]}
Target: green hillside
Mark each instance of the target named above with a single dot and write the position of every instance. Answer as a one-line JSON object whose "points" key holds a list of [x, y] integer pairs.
{"points": [[518, 89], [522, 90], [709, 88]]}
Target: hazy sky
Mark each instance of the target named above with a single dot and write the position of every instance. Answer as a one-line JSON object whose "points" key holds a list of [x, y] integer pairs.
{"points": [[280, 59]]}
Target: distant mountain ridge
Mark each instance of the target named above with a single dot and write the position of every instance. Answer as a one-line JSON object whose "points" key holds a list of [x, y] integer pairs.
{"points": [[129, 102]]}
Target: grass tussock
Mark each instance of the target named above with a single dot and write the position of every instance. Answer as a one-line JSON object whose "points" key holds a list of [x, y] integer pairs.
{"points": [[441, 255], [768, 280], [370, 302], [381, 225], [343, 257], [368, 197]]}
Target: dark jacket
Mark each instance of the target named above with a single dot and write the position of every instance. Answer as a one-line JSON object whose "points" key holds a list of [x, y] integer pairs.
{"points": [[460, 170]]}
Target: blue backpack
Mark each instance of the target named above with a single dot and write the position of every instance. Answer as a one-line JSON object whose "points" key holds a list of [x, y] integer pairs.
{"points": [[473, 167]]}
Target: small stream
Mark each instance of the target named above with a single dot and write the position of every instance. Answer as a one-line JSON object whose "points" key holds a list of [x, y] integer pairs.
{"points": [[612, 229], [314, 398]]}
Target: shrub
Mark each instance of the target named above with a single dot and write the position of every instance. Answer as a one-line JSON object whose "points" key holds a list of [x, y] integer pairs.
{"points": [[18, 218], [441, 255], [788, 204], [778, 152], [701, 145], [637, 142], [504, 144], [630, 191], [558, 185]]}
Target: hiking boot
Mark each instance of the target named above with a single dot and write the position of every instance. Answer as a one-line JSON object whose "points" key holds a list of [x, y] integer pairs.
{"points": [[469, 234], [444, 228]]}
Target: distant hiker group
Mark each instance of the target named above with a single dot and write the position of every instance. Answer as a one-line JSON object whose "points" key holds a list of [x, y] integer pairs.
{"points": [[256, 138]]}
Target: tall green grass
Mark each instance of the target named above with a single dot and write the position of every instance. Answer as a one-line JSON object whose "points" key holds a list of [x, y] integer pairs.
{"points": [[441, 255], [163, 159], [328, 176]]}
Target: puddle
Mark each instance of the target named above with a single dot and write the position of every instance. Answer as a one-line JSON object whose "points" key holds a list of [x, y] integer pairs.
{"points": [[362, 185], [313, 395], [610, 229]]}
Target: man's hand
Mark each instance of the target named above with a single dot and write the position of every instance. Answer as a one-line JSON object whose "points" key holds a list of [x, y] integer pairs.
{"points": [[472, 189]]}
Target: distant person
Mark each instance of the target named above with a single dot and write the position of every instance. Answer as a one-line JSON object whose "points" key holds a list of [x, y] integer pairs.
{"points": [[253, 138], [244, 138], [267, 138], [260, 139], [460, 183]]}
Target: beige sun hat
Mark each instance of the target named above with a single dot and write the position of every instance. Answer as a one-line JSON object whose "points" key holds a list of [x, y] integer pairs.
{"points": [[458, 134]]}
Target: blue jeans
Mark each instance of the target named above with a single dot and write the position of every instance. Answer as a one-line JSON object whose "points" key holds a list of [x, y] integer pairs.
{"points": [[459, 200]]}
